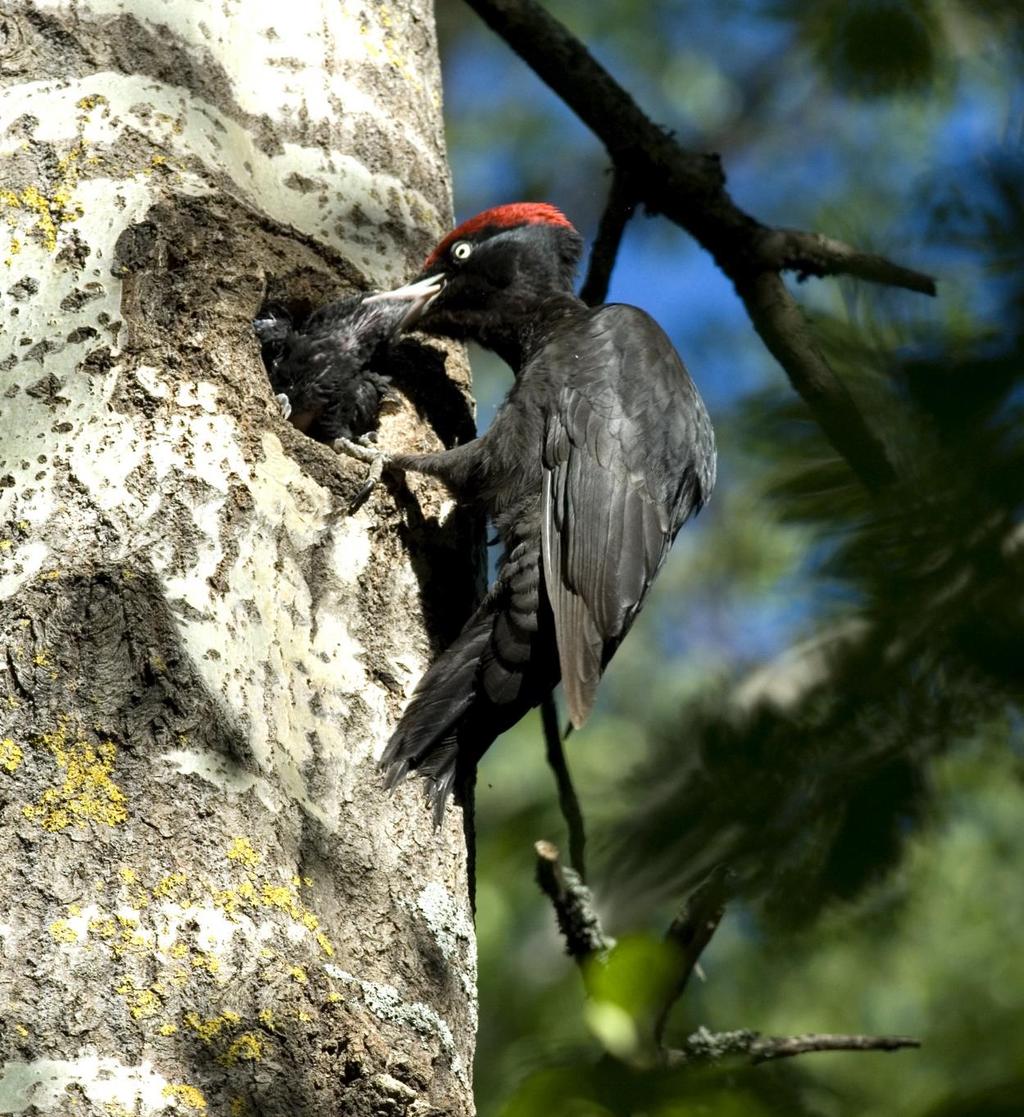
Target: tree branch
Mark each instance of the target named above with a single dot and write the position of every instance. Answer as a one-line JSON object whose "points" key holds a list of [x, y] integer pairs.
{"points": [[785, 332], [568, 803], [689, 189], [815, 254], [785, 1047], [690, 932], [708, 1047], [617, 212], [574, 906]]}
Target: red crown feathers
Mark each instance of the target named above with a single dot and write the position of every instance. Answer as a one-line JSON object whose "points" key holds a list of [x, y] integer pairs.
{"points": [[502, 217]]}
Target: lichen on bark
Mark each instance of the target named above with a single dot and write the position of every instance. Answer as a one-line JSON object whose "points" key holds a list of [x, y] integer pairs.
{"points": [[211, 902]]}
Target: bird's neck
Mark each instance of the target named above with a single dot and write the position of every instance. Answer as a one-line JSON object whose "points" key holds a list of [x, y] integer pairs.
{"points": [[522, 330]]}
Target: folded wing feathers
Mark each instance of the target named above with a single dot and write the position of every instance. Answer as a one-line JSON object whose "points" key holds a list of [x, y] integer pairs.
{"points": [[606, 529], [485, 681]]}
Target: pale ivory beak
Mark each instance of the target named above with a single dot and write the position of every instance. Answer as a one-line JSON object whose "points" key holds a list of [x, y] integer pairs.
{"points": [[418, 295]]}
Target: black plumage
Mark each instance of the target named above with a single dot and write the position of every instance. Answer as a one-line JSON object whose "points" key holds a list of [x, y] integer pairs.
{"points": [[325, 370], [600, 452]]}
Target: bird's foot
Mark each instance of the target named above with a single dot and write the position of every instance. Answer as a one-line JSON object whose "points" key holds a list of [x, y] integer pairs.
{"points": [[285, 404], [361, 451]]}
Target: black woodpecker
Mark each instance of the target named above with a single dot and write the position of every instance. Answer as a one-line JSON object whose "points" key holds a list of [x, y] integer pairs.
{"points": [[600, 452], [322, 370]]}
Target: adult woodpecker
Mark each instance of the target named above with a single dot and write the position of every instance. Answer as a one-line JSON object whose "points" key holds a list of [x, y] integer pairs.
{"points": [[324, 370], [600, 452]]}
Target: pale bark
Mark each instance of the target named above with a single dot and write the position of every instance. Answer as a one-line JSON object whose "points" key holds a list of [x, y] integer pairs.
{"points": [[208, 900]]}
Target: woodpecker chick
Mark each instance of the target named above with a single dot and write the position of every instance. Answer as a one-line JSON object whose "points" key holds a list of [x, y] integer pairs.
{"points": [[322, 370], [600, 452]]}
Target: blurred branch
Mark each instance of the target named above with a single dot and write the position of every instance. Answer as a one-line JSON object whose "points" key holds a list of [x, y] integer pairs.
{"points": [[691, 931], [574, 906], [784, 330], [704, 1046], [617, 212], [567, 800], [815, 254], [690, 189]]}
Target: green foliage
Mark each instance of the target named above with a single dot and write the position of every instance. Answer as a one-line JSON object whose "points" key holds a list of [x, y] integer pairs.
{"points": [[873, 47], [924, 638], [824, 689], [625, 994]]}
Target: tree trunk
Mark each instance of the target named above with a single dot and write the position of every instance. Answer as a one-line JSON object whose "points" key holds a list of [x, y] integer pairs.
{"points": [[210, 902]]}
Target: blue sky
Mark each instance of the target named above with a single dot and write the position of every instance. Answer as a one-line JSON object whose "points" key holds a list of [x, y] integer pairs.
{"points": [[512, 139]]}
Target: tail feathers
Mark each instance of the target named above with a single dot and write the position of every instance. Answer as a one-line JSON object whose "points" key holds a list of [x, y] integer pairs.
{"points": [[439, 768], [480, 686], [426, 738]]}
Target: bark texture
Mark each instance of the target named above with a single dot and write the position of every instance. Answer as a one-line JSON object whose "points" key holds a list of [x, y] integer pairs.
{"points": [[209, 904]]}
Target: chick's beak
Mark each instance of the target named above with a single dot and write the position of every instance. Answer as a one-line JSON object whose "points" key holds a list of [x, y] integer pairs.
{"points": [[418, 295]]}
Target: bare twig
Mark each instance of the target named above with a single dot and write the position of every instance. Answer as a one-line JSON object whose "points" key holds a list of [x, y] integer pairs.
{"points": [[574, 906], [689, 188], [815, 254], [785, 332], [708, 1047], [568, 803], [617, 212], [690, 932], [785, 1047]]}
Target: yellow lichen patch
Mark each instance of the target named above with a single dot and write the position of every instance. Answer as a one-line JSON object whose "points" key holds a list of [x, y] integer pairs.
{"points": [[297, 973], [87, 793], [129, 876], [61, 931], [241, 850], [104, 928], [169, 886], [10, 755], [190, 1096], [206, 962], [46, 210], [130, 936], [88, 103], [281, 896], [267, 1018], [303, 1016], [209, 1029], [142, 1003], [227, 899], [40, 659], [243, 1048], [21, 1030], [333, 997], [167, 1028], [325, 944]]}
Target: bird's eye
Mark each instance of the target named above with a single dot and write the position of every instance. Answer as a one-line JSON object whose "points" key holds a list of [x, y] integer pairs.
{"points": [[462, 250]]}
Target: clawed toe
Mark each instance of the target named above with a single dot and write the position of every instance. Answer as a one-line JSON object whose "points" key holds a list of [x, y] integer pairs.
{"points": [[364, 453], [356, 450]]}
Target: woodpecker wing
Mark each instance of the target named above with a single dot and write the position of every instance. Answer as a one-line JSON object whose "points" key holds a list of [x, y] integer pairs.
{"points": [[628, 457]]}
